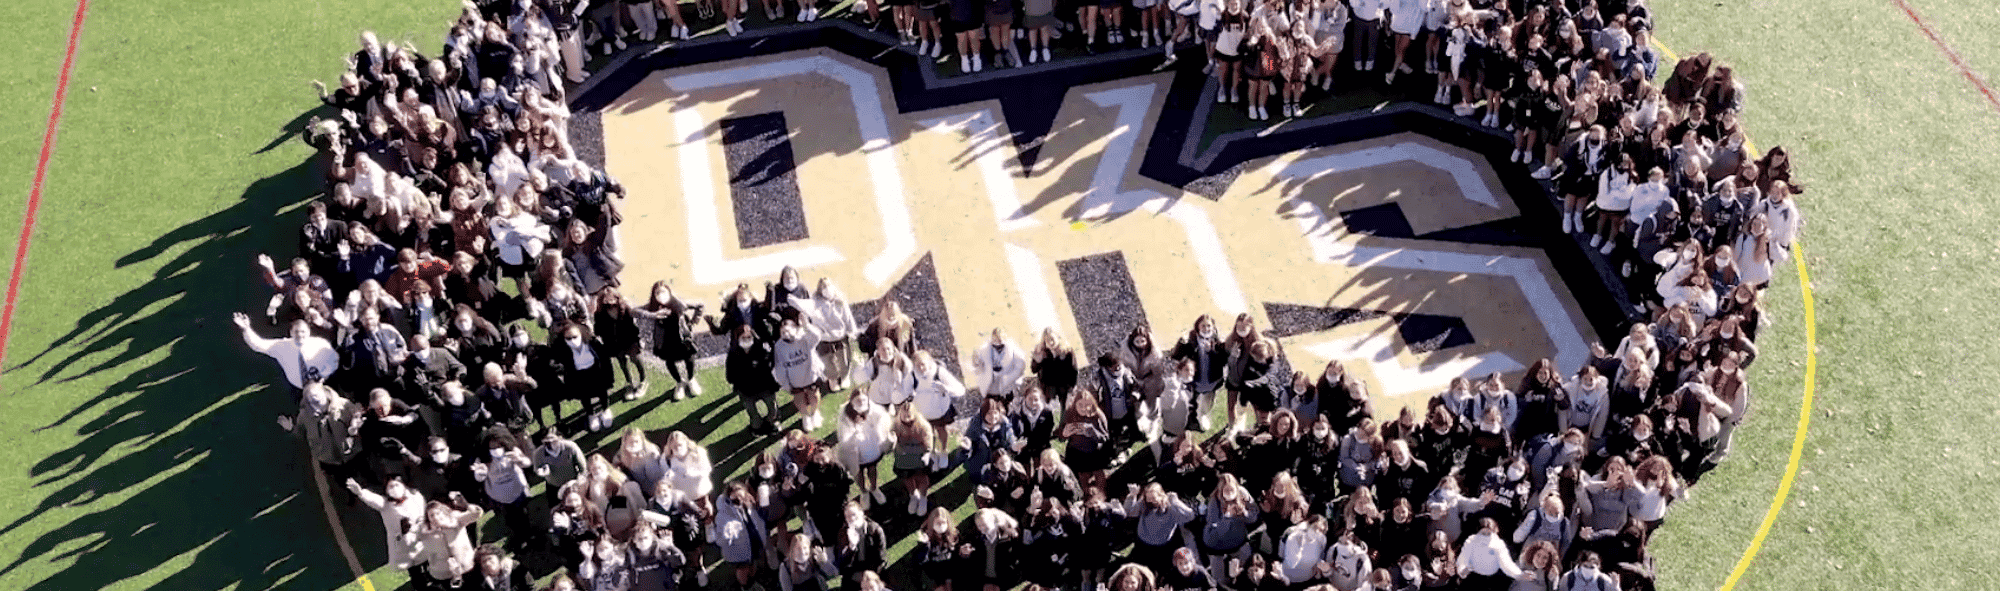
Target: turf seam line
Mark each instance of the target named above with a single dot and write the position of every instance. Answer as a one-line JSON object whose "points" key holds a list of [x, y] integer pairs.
{"points": [[41, 175], [1978, 82]]}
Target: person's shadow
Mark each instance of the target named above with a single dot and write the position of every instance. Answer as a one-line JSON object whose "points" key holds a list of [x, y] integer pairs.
{"points": [[178, 468]]}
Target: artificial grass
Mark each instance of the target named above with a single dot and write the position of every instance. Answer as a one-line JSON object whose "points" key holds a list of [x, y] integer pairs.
{"points": [[142, 452]]}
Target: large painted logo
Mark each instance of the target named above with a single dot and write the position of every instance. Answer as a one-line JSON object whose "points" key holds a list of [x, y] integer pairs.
{"points": [[1400, 250]]}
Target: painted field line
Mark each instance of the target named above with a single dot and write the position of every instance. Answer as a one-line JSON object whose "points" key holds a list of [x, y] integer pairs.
{"points": [[1964, 69], [1812, 363], [339, 532], [41, 176]]}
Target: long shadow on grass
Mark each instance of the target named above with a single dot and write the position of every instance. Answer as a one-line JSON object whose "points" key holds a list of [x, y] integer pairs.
{"points": [[218, 496]]}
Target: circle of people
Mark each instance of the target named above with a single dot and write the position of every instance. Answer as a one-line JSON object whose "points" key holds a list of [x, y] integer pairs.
{"points": [[449, 175]]}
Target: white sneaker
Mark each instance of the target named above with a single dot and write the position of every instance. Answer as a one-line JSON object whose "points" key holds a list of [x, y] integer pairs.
{"points": [[965, 63], [1567, 227], [1020, 34], [694, 387], [923, 48], [742, 7], [923, 504], [1462, 110], [701, 576], [1608, 246], [978, 62], [1596, 240], [879, 497], [1404, 68], [1235, 96], [1045, 54], [618, 42], [937, 48], [1543, 173], [1221, 94]]}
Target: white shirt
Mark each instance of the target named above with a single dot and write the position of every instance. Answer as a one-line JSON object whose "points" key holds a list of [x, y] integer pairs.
{"points": [[308, 359], [935, 392], [1647, 198], [1369, 10], [1485, 554], [998, 371]]}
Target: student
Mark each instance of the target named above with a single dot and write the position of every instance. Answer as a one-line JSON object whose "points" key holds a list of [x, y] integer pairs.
{"points": [[1086, 438], [1587, 576], [402, 512], [860, 547], [998, 367], [1366, 33], [750, 368], [991, 432], [1228, 516], [1484, 561], [935, 394], [885, 378], [1203, 349], [1054, 365], [798, 369], [672, 328], [617, 331], [863, 435], [836, 322], [937, 550], [1303, 548], [1226, 55], [805, 565], [913, 455], [586, 374], [504, 473], [1115, 392], [1035, 420], [739, 532], [1158, 518]]}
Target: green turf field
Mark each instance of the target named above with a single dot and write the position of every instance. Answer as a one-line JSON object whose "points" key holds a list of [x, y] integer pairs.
{"points": [[141, 451]]}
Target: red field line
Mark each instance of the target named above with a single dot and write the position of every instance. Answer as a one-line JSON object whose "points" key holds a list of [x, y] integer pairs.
{"points": [[41, 175], [1977, 81]]}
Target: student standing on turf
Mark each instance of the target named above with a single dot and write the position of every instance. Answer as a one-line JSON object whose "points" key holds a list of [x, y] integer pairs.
{"points": [[672, 329], [836, 322], [798, 369], [863, 434], [936, 393], [750, 370]]}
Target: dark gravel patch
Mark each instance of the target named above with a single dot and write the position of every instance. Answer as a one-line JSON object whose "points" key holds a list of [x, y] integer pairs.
{"points": [[763, 180]]}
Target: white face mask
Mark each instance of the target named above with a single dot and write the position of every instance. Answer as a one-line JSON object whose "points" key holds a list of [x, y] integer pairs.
{"points": [[745, 343], [1321, 432], [766, 471], [496, 452], [791, 283], [442, 456], [1208, 332], [521, 342], [1728, 334], [1589, 572], [1411, 572], [794, 334], [1243, 331], [1642, 436], [575, 342], [1516, 472]]}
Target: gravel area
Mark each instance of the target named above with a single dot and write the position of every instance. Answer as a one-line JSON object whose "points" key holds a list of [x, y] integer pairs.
{"points": [[1104, 299], [763, 180]]}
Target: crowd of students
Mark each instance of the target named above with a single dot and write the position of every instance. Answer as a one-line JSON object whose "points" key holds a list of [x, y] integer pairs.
{"points": [[452, 176]]}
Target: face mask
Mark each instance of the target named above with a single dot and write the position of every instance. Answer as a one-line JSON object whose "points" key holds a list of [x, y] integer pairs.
{"points": [[575, 343], [1321, 432], [792, 283], [794, 334], [1516, 472], [766, 471], [1728, 334], [521, 342], [1208, 332], [441, 457], [1411, 572], [465, 325], [1589, 572], [1642, 436], [495, 452], [745, 343], [398, 494], [1243, 332]]}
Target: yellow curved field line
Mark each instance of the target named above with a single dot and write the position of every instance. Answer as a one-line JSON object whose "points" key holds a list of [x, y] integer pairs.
{"points": [[1805, 402]]}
